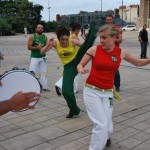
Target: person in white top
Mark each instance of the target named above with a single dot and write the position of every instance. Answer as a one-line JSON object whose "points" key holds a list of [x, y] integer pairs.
{"points": [[25, 31]]}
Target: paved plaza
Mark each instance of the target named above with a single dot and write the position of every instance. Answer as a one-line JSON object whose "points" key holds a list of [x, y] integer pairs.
{"points": [[47, 128]]}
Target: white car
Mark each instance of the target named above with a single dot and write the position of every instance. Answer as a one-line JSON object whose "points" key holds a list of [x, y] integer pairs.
{"points": [[129, 28]]}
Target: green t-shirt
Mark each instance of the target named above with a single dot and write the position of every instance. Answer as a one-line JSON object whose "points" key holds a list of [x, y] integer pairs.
{"points": [[38, 40]]}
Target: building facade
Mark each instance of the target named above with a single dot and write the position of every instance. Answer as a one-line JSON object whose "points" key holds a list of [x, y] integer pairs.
{"points": [[130, 14], [123, 15], [85, 18], [144, 17]]}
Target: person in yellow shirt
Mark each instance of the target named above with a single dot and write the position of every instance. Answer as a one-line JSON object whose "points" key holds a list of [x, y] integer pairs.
{"points": [[75, 29], [1, 57], [70, 57]]}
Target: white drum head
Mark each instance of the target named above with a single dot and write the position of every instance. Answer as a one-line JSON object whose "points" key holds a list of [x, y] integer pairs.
{"points": [[18, 80]]}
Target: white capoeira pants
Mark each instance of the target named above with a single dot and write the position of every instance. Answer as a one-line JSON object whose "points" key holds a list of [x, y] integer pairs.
{"points": [[99, 106], [59, 83], [39, 66]]}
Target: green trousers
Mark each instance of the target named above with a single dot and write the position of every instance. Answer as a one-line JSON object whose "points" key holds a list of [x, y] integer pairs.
{"points": [[70, 72]]}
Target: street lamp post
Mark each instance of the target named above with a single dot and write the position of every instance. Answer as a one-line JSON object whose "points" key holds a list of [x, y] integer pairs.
{"points": [[101, 13], [122, 13], [101, 6], [49, 10]]}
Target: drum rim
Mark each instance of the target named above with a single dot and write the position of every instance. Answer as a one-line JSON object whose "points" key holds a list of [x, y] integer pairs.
{"points": [[12, 71], [20, 70]]}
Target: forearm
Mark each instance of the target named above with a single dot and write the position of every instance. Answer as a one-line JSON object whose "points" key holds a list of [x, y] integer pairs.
{"points": [[79, 67], [46, 48], [118, 41], [32, 47], [5, 107], [143, 62], [140, 39], [139, 62], [119, 38]]}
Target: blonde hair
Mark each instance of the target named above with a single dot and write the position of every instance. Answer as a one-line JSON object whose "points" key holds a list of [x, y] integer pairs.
{"points": [[113, 31]]}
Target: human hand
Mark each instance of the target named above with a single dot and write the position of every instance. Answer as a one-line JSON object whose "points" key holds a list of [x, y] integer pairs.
{"points": [[50, 41], [22, 100], [83, 70], [2, 57], [39, 46], [86, 34], [1, 83], [140, 41]]}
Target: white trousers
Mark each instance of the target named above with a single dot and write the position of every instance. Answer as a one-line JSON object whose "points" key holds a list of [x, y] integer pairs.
{"points": [[25, 34], [99, 106], [39, 66], [59, 83]]}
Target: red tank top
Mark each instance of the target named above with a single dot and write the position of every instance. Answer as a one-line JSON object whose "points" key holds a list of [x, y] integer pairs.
{"points": [[104, 66], [120, 32]]}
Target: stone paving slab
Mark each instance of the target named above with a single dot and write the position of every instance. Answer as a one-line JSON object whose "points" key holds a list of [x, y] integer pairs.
{"points": [[47, 128]]}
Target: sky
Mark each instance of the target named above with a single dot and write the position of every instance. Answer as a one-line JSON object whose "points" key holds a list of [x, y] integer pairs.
{"points": [[65, 7]]}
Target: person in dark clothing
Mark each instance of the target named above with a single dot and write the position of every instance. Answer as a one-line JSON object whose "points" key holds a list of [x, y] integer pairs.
{"points": [[117, 81], [110, 20], [143, 38]]}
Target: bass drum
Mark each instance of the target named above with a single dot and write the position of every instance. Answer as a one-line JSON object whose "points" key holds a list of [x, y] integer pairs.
{"points": [[17, 80]]}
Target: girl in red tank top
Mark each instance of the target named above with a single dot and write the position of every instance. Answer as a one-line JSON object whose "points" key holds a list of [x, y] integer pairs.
{"points": [[98, 92], [105, 64]]}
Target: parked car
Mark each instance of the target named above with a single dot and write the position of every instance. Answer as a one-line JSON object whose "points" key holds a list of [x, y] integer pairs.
{"points": [[129, 28]]}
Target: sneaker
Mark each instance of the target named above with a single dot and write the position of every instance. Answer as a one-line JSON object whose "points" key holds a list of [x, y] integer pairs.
{"points": [[116, 95], [108, 144], [58, 90], [75, 92], [118, 89], [69, 115]]}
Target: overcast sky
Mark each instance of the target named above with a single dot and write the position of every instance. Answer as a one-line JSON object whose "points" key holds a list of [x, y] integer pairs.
{"points": [[65, 7]]}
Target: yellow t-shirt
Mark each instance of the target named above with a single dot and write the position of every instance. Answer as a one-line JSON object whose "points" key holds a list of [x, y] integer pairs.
{"points": [[66, 54], [74, 36]]}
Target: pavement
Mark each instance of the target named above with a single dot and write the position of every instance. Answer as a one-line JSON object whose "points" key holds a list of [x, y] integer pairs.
{"points": [[47, 128]]}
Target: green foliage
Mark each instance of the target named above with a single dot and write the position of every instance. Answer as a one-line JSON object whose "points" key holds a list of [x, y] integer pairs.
{"points": [[20, 13], [50, 26], [5, 27], [16, 14]]}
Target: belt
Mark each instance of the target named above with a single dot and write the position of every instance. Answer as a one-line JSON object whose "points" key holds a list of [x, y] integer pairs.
{"points": [[98, 89]]}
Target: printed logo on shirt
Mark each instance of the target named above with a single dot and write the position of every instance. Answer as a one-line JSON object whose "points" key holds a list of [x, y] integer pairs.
{"points": [[114, 59], [38, 43], [111, 101], [45, 59], [66, 54]]}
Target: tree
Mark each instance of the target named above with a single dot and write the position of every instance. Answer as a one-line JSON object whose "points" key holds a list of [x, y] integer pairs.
{"points": [[5, 27], [20, 13], [50, 26]]}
